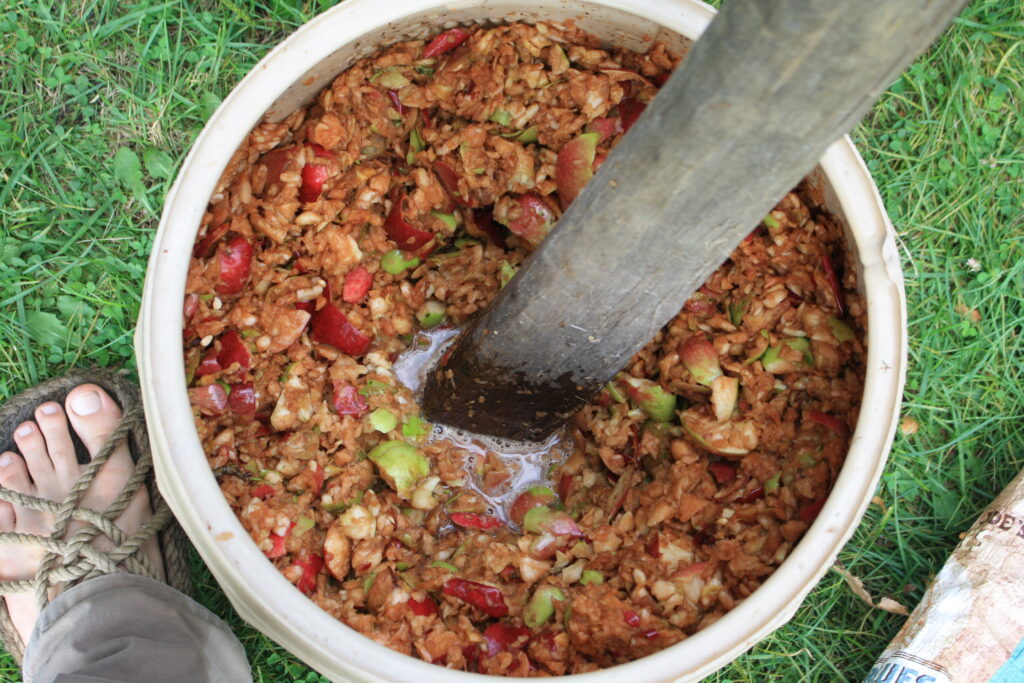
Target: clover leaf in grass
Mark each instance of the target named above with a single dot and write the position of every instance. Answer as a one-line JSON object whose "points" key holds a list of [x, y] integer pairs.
{"points": [[114, 313], [128, 170], [997, 97], [966, 330], [10, 252], [159, 164]]}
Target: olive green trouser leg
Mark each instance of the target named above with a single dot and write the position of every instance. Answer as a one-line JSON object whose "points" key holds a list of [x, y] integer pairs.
{"points": [[123, 627]]}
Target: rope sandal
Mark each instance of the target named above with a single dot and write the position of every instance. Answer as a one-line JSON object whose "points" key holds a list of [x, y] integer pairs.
{"points": [[69, 561]]}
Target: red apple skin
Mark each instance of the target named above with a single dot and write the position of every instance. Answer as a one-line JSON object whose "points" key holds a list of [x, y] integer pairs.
{"points": [[575, 166], [527, 216], [605, 127]]}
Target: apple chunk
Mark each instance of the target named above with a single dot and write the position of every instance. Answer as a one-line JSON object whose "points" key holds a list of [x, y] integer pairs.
{"points": [[527, 216], [605, 127], [701, 359], [575, 166], [730, 439]]}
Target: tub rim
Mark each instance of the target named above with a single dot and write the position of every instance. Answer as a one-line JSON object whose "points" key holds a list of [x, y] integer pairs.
{"points": [[271, 603]]}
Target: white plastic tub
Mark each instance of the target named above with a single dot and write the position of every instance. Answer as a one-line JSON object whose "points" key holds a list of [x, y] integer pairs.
{"points": [[287, 78]]}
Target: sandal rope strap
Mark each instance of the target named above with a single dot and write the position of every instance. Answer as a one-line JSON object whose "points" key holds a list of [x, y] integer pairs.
{"points": [[75, 559]]}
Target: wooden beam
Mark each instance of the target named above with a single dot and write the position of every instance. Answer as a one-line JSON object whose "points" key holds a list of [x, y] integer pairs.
{"points": [[749, 112]]}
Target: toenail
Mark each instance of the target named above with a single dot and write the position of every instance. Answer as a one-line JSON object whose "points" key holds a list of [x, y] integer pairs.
{"points": [[24, 430], [49, 409], [86, 403], [5, 460]]}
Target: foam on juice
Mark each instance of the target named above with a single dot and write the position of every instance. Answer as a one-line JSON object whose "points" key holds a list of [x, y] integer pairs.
{"points": [[528, 463]]}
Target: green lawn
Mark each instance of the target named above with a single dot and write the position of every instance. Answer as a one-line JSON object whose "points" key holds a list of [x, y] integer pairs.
{"points": [[101, 100]]}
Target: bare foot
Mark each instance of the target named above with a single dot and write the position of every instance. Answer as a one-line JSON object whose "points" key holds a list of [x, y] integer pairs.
{"points": [[47, 468]]}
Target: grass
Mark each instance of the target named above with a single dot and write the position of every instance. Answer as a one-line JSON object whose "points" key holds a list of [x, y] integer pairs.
{"points": [[101, 101]]}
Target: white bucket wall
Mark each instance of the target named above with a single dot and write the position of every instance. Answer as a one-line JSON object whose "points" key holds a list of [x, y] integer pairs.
{"points": [[285, 79]]}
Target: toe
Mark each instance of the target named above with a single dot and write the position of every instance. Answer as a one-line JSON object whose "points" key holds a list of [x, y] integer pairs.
{"points": [[53, 425], [93, 414], [33, 447], [14, 473]]}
